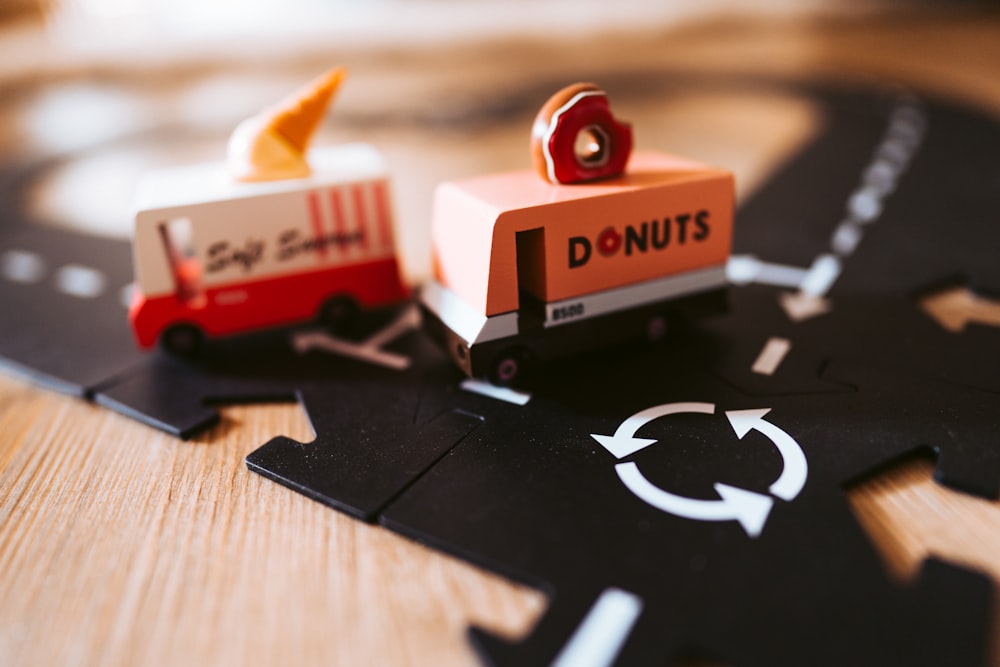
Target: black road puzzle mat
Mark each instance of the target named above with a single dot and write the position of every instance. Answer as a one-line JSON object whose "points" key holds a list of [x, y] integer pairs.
{"points": [[678, 500]]}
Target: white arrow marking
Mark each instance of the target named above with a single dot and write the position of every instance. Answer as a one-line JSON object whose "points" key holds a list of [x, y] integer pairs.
{"points": [[796, 470], [320, 340], [901, 141], [408, 320], [749, 508], [822, 274], [367, 350], [624, 442], [599, 638], [811, 284]]}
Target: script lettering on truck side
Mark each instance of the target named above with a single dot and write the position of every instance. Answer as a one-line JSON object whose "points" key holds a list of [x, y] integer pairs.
{"points": [[222, 254], [293, 243], [290, 244]]}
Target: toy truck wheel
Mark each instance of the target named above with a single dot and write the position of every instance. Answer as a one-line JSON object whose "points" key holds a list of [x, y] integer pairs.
{"points": [[510, 366], [662, 325], [182, 340], [338, 312], [657, 327]]}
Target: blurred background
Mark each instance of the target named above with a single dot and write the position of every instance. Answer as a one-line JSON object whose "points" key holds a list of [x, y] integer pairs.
{"points": [[94, 92]]}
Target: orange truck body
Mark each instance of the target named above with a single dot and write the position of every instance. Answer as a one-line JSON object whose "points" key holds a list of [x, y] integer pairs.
{"points": [[658, 233]]}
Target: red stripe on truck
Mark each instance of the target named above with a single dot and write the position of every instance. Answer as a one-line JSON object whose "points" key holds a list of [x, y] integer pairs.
{"points": [[316, 215], [382, 209], [361, 214]]}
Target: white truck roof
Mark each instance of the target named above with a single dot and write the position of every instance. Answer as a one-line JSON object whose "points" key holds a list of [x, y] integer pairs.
{"points": [[196, 184], [231, 213]]}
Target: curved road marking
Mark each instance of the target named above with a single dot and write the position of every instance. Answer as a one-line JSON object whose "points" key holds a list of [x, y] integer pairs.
{"points": [[749, 508], [624, 442], [796, 468]]}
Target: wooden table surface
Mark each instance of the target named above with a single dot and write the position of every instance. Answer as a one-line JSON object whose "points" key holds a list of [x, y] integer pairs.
{"points": [[120, 545]]}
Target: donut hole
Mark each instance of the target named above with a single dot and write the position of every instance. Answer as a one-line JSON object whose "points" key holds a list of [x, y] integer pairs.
{"points": [[592, 147]]}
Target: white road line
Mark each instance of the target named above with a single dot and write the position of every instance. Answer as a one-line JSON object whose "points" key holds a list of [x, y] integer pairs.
{"points": [[882, 176], [865, 204], [370, 349], [21, 266], [600, 637], [846, 237], [895, 151], [408, 320], [742, 269], [491, 390], [780, 275], [125, 295], [304, 341], [821, 275], [80, 281], [900, 142], [745, 269], [771, 355]]}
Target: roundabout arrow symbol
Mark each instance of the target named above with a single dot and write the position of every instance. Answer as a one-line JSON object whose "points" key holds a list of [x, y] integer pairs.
{"points": [[793, 476], [749, 508], [624, 442]]}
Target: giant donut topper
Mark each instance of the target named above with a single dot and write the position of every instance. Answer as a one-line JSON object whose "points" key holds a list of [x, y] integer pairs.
{"points": [[576, 139]]}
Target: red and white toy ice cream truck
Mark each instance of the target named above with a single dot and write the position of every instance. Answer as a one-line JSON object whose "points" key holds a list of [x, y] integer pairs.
{"points": [[278, 235]]}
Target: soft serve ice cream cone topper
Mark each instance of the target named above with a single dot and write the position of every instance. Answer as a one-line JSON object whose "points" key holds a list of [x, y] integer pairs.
{"points": [[272, 145]]}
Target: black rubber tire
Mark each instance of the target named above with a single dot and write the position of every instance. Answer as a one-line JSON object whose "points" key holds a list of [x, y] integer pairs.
{"points": [[510, 366], [183, 340], [658, 327], [339, 312]]}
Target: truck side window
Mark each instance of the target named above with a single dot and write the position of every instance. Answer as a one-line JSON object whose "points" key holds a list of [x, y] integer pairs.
{"points": [[178, 243]]}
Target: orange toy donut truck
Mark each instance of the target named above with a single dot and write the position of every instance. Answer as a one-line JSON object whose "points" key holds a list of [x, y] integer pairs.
{"points": [[278, 235], [583, 253]]}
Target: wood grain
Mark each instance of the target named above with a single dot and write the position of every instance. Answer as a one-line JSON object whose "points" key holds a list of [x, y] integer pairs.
{"points": [[123, 546]]}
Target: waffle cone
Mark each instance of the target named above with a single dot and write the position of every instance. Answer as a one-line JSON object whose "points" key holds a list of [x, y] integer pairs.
{"points": [[296, 118]]}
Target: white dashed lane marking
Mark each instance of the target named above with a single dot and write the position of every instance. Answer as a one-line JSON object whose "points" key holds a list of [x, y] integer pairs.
{"points": [[80, 281], [76, 280], [493, 391], [846, 238], [746, 269], [22, 266], [599, 638], [125, 295], [892, 156], [771, 355], [821, 275]]}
